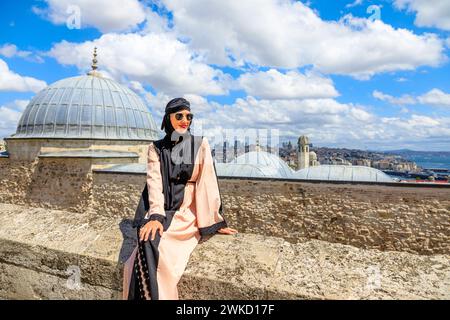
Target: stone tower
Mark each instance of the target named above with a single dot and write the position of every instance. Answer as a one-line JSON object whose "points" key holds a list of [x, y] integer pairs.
{"points": [[302, 152]]}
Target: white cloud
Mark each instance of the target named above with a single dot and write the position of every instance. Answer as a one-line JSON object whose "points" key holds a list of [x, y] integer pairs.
{"points": [[326, 121], [417, 132], [105, 15], [136, 87], [10, 50], [354, 4], [435, 13], [422, 121], [273, 84], [154, 23], [361, 115], [157, 103], [435, 97], [288, 34], [20, 104], [404, 110], [286, 115], [417, 126], [11, 81], [403, 100], [10, 116], [159, 60]]}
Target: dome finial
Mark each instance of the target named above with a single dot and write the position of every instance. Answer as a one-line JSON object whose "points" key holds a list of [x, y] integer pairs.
{"points": [[94, 66], [94, 60]]}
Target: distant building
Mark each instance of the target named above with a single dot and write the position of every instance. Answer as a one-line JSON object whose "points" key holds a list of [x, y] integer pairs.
{"points": [[303, 152], [259, 163], [336, 161], [305, 158], [382, 164], [362, 162]]}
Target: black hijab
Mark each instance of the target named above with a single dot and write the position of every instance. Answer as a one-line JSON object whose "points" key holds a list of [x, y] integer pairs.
{"points": [[173, 106]]}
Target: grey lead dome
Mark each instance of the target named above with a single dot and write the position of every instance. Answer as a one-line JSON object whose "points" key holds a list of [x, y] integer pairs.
{"points": [[88, 106]]}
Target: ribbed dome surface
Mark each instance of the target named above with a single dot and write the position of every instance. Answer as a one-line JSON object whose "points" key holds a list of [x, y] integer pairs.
{"points": [[342, 173], [255, 164], [87, 107]]}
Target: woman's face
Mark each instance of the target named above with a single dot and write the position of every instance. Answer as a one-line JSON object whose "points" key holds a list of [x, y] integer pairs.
{"points": [[180, 125]]}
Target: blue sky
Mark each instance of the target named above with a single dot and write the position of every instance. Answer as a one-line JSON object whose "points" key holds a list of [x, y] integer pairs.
{"points": [[311, 67]]}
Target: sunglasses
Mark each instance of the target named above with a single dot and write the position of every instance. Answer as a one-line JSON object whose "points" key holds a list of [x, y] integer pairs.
{"points": [[180, 116]]}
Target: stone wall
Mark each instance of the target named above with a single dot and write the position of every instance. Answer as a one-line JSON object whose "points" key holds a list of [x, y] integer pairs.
{"points": [[384, 217], [67, 255], [120, 198], [15, 180], [379, 216], [68, 186], [47, 182]]}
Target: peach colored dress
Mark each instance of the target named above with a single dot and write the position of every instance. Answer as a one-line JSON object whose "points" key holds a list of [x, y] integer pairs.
{"points": [[156, 266]]}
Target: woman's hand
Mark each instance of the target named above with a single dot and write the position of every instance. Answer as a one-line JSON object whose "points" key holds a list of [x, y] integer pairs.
{"points": [[227, 231], [150, 227]]}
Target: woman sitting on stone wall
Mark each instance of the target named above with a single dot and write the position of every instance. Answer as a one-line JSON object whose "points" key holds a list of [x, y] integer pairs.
{"points": [[180, 203]]}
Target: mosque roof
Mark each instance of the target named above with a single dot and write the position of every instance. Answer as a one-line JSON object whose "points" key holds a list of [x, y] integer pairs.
{"points": [[89, 107], [264, 164], [255, 164], [342, 173]]}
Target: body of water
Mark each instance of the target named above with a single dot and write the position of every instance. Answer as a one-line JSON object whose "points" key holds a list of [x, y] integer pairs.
{"points": [[431, 161]]}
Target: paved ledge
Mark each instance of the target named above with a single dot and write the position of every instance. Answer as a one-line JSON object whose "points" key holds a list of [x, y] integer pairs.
{"points": [[140, 169], [344, 182], [137, 168], [42, 250]]}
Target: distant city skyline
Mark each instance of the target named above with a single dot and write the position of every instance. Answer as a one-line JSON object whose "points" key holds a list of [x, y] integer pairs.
{"points": [[367, 75]]}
